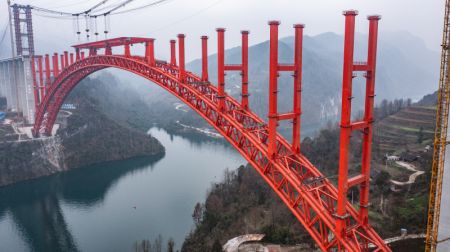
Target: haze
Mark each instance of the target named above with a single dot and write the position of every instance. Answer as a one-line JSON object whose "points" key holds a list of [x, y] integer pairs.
{"points": [[200, 17]]}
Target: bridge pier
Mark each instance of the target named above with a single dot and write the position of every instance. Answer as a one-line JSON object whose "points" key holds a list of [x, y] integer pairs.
{"points": [[16, 85]]}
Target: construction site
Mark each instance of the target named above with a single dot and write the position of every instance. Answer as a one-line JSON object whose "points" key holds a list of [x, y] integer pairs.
{"points": [[374, 175]]}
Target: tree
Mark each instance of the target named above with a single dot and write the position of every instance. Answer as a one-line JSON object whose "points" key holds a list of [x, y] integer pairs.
{"points": [[382, 182], [157, 244], [216, 247], [171, 245], [420, 135], [198, 213]]}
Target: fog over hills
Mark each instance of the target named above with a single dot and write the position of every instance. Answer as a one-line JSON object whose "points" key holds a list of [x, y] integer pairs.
{"points": [[406, 68]]}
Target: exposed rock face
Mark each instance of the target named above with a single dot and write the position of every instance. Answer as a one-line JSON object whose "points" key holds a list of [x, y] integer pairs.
{"points": [[89, 137]]}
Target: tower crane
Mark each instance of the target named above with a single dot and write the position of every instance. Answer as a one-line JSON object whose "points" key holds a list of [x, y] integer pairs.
{"points": [[440, 139]]}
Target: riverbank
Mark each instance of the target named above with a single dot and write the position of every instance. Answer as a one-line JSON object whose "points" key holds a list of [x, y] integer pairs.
{"points": [[111, 206], [84, 138]]}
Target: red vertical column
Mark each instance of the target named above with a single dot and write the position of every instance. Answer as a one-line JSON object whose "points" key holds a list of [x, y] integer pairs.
{"points": [[35, 88], [92, 51], [173, 57], [47, 72], [344, 140], [63, 65], [368, 118], [204, 58], [150, 52], [127, 50], [244, 93], [66, 58], [221, 67], [108, 50], [273, 88], [181, 56], [55, 65], [297, 107], [82, 55], [41, 79], [77, 53], [71, 58]]}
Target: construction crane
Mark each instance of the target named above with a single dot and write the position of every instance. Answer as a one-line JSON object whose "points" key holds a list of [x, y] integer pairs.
{"points": [[440, 140]]}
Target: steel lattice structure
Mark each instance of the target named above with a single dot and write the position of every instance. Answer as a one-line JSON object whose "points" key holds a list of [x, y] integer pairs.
{"points": [[330, 219]]}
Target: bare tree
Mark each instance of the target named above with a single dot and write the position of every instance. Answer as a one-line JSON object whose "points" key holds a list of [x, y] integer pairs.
{"points": [[171, 245], [198, 213]]}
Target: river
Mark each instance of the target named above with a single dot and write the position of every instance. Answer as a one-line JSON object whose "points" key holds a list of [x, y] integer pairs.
{"points": [[110, 206]]}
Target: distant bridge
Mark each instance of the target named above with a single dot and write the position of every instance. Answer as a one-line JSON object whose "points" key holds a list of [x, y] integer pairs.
{"points": [[322, 209]]}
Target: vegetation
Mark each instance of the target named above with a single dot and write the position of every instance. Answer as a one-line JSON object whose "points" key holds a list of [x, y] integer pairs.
{"points": [[244, 203], [156, 246]]}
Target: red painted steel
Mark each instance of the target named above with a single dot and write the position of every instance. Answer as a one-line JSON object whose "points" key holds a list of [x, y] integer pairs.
{"points": [[77, 53], [244, 73], [309, 195], [41, 78], [173, 56], [275, 67], [273, 88], [347, 126], [150, 52], [112, 42], [63, 65], [66, 58], [181, 69], [47, 72], [127, 51], [92, 51], [71, 58], [204, 58], [55, 65], [221, 67], [368, 118], [341, 211], [297, 100], [33, 76]]}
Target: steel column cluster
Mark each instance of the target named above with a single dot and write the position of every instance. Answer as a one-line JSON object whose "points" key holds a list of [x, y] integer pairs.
{"points": [[310, 196], [361, 180], [41, 76], [222, 67], [274, 69]]}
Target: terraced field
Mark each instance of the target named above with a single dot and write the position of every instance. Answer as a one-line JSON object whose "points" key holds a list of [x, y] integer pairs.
{"points": [[400, 131]]}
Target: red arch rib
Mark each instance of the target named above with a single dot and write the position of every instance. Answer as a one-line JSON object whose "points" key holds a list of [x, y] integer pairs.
{"points": [[301, 186]]}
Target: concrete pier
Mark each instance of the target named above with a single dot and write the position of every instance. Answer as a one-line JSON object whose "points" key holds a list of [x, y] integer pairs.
{"points": [[16, 84]]}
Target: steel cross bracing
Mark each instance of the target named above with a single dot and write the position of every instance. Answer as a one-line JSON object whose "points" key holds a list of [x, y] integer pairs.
{"points": [[302, 187]]}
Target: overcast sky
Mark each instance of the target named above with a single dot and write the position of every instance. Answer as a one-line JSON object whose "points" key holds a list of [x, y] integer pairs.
{"points": [[200, 17]]}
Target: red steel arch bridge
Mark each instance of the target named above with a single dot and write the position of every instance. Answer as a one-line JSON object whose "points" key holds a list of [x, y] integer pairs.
{"points": [[323, 209]]}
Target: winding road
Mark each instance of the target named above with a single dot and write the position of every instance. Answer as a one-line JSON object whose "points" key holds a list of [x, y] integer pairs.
{"points": [[412, 177]]}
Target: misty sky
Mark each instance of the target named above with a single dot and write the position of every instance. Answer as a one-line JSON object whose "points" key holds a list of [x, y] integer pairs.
{"points": [[200, 17]]}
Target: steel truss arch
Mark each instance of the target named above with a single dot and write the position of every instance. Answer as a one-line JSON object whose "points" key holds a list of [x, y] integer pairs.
{"points": [[302, 187]]}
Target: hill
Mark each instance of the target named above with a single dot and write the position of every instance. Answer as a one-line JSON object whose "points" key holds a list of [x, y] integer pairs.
{"points": [[242, 203]]}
